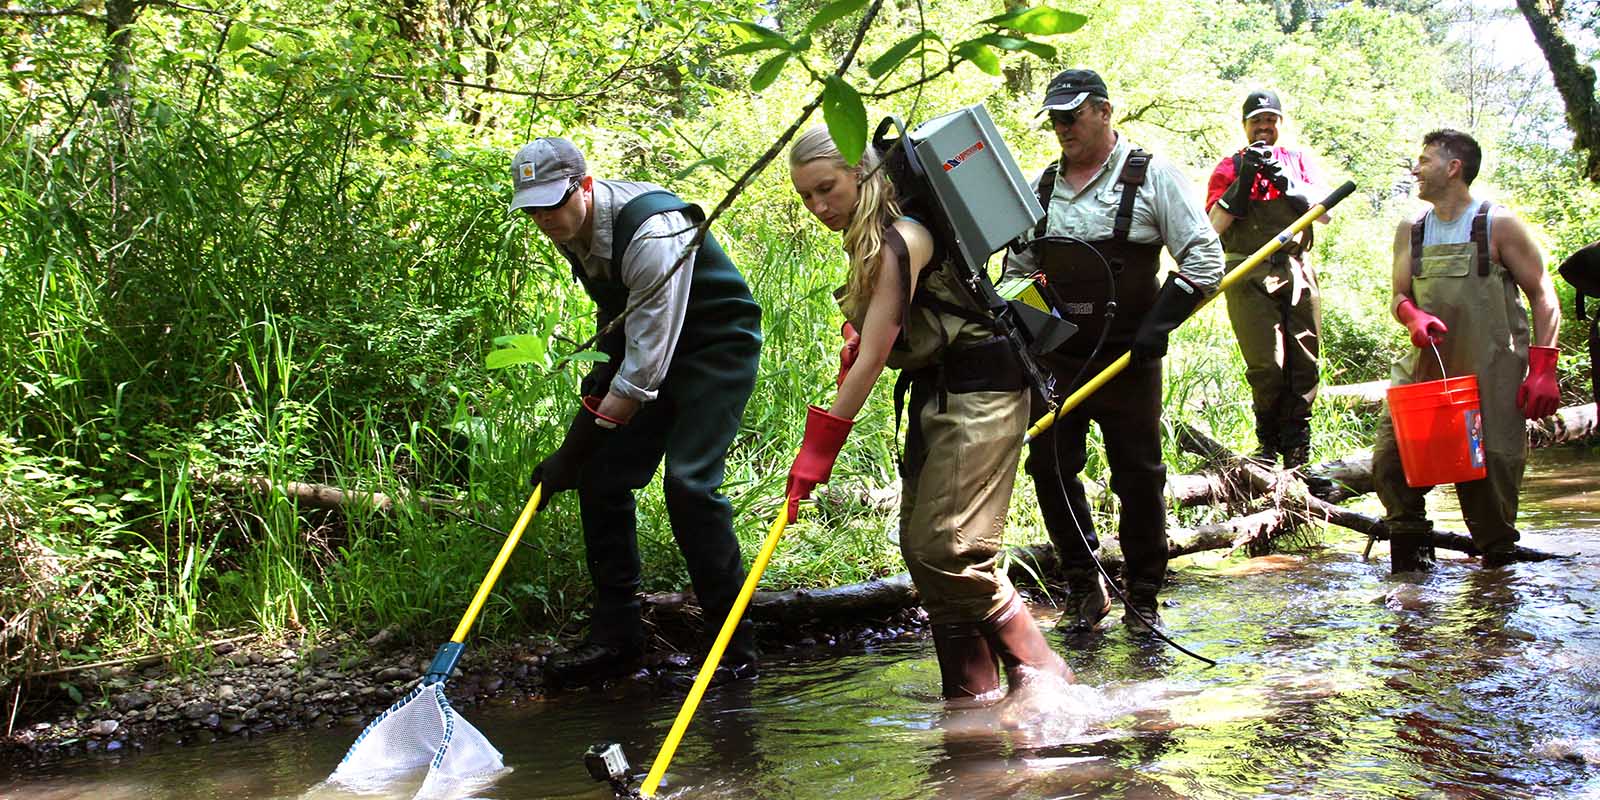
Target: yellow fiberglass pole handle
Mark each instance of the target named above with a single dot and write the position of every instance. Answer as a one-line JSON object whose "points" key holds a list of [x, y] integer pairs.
{"points": [[658, 770], [499, 564], [1238, 273]]}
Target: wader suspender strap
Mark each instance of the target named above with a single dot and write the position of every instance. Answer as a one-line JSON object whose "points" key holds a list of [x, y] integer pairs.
{"points": [[1132, 178], [1479, 236], [1133, 172]]}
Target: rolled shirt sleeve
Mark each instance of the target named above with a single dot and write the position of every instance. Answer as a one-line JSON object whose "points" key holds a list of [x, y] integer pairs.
{"points": [[653, 327], [1185, 229]]}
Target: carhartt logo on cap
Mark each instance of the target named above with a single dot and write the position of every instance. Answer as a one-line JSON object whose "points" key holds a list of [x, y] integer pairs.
{"points": [[527, 171]]}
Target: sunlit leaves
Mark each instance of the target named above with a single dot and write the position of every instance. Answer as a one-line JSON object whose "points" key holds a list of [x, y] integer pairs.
{"points": [[832, 12], [846, 118], [1039, 21], [891, 58], [980, 54], [769, 71]]}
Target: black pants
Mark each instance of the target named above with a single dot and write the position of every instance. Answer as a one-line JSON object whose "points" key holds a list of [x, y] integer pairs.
{"points": [[1128, 411], [692, 422]]}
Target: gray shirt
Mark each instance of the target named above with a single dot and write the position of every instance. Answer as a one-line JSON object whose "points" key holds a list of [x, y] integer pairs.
{"points": [[652, 330], [1164, 210]]}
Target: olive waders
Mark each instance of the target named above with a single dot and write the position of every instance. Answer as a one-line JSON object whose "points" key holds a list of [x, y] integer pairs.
{"points": [[967, 419], [1480, 303], [1277, 317], [1127, 409], [691, 423]]}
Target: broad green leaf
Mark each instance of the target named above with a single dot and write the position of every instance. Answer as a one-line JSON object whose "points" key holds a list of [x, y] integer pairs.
{"points": [[846, 118], [769, 71], [1039, 20], [715, 161], [756, 47], [833, 12], [891, 58], [755, 32], [240, 37], [584, 356], [1014, 43], [980, 55]]}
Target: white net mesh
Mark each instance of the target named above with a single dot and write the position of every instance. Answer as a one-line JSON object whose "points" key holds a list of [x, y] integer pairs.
{"points": [[420, 731]]}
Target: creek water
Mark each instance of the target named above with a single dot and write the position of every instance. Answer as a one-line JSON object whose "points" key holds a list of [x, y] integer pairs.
{"points": [[1333, 680]]}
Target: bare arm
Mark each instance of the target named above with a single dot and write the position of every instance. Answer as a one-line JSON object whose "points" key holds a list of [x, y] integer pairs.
{"points": [[1220, 220], [882, 323], [1511, 245], [1401, 272]]}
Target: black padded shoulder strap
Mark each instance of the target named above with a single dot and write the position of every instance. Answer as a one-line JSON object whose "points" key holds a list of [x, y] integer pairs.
{"points": [[1045, 188], [1132, 177]]}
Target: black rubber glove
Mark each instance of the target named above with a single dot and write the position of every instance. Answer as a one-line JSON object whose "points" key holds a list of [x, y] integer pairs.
{"points": [[1178, 299], [559, 471], [1236, 200], [597, 383], [1293, 191]]}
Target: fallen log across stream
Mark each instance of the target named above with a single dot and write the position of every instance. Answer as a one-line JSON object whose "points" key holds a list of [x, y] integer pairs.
{"points": [[1291, 494]]}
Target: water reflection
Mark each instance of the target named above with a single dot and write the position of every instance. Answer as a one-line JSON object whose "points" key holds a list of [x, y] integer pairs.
{"points": [[1334, 681]]}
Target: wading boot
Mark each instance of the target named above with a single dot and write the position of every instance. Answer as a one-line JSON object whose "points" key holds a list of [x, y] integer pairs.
{"points": [[590, 662], [1499, 556], [1295, 444], [1142, 611], [967, 668], [1410, 547], [1016, 639], [1087, 600], [1267, 444], [739, 659]]}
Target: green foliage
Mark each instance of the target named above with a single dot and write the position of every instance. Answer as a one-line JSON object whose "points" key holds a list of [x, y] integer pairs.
{"points": [[282, 255]]}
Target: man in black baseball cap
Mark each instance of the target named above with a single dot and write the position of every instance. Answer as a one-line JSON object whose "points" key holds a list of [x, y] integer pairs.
{"points": [[1107, 201], [681, 367], [1276, 314]]}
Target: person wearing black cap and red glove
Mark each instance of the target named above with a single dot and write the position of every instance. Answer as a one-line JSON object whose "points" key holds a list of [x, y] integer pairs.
{"points": [[1277, 313], [682, 366], [1459, 274], [1110, 208]]}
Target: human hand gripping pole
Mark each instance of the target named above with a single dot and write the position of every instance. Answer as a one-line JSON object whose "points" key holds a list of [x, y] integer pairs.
{"points": [[824, 437], [1236, 200], [1239, 273]]}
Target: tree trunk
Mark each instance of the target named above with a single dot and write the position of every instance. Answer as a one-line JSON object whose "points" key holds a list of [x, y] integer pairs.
{"points": [[1574, 80]]}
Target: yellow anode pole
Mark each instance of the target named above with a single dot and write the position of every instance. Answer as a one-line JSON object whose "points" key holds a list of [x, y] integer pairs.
{"points": [[658, 770], [499, 563], [1239, 273]]}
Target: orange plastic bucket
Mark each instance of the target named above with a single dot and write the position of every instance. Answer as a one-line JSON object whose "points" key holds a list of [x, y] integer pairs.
{"points": [[1439, 428]]}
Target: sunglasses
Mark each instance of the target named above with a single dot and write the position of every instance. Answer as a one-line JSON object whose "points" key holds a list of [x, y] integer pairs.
{"points": [[1065, 118], [571, 187]]}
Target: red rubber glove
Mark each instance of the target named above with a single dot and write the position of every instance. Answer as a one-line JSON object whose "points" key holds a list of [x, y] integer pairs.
{"points": [[847, 355], [1425, 328], [825, 435], [1539, 397]]}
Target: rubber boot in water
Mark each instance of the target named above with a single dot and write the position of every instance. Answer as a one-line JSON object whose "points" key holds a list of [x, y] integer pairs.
{"points": [[1295, 444], [1016, 639], [1410, 547], [1088, 602], [967, 668]]}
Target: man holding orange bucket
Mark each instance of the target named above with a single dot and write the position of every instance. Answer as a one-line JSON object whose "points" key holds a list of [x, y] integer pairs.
{"points": [[1458, 272]]}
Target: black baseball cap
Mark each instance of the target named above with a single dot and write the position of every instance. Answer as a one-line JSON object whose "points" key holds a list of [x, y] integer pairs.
{"points": [[1069, 88], [1262, 101]]}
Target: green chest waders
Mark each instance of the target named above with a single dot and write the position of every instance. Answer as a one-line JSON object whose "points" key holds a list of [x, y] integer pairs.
{"points": [[1276, 316], [1479, 302]]}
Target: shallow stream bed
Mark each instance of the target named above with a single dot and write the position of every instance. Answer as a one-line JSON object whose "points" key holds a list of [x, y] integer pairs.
{"points": [[1334, 681]]}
